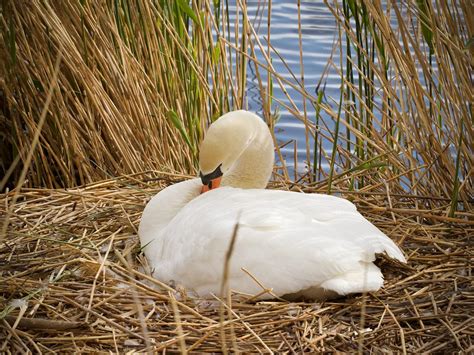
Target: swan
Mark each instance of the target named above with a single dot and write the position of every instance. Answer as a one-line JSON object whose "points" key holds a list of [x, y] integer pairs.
{"points": [[298, 245]]}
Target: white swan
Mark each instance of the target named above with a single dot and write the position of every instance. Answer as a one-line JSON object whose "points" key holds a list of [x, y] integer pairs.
{"points": [[310, 245]]}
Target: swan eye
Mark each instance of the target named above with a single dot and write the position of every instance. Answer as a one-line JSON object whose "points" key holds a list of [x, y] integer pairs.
{"points": [[207, 179]]}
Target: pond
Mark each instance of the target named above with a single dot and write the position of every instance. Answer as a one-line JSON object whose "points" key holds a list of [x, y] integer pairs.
{"points": [[320, 61], [319, 35]]}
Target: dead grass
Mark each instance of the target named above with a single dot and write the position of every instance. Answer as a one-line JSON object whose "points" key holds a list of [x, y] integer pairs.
{"points": [[124, 77], [72, 258], [136, 89], [87, 93]]}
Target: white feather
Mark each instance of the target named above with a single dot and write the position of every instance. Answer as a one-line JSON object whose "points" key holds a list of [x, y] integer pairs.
{"points": [[289, 241], [297, 244]]}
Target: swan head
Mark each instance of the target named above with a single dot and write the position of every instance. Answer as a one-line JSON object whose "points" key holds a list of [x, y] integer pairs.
{"points": [[237, 150]]}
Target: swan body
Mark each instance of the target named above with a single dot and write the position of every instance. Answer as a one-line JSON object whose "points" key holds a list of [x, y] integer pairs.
{"points": [[305, 245]]}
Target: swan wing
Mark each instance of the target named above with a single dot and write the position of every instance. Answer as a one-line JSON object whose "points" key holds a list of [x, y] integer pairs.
{"points": [[288, 241]]}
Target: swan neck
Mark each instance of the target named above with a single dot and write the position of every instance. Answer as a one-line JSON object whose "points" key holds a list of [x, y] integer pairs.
{"points": [[254, 165], [164, 206]]}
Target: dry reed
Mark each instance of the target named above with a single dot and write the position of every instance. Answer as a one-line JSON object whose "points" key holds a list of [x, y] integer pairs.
{"points": [[135, 91], [126, 81], [72, 280]]}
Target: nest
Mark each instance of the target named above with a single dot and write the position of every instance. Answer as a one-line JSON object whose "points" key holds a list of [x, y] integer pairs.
{"points": [[72, 279]]}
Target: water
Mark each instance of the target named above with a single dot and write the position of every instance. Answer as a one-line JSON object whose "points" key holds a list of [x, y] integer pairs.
{"points": [[319, 35], [320, 45]]}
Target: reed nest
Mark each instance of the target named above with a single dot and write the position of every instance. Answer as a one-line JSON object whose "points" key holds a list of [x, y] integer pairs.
{"points": [[72, 279]]}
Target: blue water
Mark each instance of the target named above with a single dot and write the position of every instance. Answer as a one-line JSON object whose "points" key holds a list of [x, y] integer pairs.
{"points": [[320, 45], [319, 35]]}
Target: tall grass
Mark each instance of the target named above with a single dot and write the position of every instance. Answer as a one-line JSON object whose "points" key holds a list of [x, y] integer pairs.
{"points": [[140, 81], [137, 80], [409, 83]]}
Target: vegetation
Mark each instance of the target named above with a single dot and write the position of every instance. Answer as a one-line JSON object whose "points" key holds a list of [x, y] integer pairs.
{"points": [[134, 89], [80, 285], [110, 99], [139, 81]]}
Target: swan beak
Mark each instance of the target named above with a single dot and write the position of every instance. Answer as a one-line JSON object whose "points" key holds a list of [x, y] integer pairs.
{"points": [[213, 184]]}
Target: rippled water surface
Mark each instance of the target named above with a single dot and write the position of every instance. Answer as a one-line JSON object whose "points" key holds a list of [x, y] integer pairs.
{"points": [[319, 35], [320, 45]]}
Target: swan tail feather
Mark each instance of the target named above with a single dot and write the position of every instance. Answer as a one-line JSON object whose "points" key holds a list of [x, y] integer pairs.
{"points": [[368, 278]]}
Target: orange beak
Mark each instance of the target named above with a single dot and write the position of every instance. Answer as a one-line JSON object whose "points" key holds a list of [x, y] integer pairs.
{"points": [[213, 184]]}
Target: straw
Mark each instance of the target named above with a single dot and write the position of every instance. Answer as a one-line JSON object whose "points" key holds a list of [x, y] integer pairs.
{"points": [[62, 289]]}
